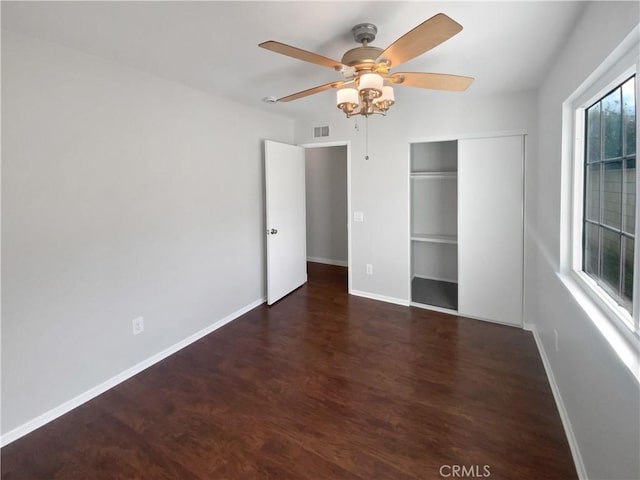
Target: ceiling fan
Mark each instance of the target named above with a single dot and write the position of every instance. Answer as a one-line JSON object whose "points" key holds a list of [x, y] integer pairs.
{"points": [[368, 85]]}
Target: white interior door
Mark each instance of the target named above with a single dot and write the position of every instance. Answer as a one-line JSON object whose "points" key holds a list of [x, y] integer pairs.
{"points": [[284, 167], [490, 228]]}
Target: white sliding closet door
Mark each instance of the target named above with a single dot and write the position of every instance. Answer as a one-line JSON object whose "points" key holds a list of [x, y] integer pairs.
{"points": [[490, 228]]}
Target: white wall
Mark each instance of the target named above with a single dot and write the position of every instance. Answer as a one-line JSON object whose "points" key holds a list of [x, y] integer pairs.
{"points": [[600, 395], [123, 195], [380, 185], [326, 186]]}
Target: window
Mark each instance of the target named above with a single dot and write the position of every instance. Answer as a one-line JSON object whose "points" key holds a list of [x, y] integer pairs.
{"points": [[608, 230], [600, 219], [602, 257]]}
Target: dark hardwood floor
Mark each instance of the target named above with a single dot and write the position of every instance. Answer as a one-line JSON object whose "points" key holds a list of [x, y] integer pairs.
{"points": [[319, 386]]}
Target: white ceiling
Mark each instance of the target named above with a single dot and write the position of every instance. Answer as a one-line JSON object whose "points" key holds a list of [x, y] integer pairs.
{"points": [[212, 46]]}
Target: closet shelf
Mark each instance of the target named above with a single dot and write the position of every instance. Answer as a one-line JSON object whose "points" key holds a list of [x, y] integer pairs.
{"points": [[427, 237], [434, 174]]}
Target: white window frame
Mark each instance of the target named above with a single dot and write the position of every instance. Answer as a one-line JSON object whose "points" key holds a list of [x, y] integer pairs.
{"points": [[618, 68]]}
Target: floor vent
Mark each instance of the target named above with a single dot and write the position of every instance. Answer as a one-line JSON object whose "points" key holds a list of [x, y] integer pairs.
{"points": [[321, 131]]}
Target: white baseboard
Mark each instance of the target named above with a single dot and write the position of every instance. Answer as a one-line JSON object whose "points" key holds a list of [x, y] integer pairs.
{"points": [[566, 423], [69, 405], [381, 298], [328, 261]]}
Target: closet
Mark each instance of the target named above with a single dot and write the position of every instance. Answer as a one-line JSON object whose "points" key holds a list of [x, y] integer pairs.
{"points": [[434, 224], [466, 200]]}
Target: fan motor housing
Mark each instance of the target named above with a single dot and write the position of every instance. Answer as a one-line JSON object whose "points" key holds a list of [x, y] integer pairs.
{"points": [[361, 56]]}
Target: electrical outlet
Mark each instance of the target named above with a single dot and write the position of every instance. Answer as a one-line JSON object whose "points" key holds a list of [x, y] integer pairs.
{"points": [[358, 216], [138, 325], [555, 334], [369, 269]]}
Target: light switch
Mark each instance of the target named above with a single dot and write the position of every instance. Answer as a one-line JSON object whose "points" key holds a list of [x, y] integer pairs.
{"points": [[358, 216]]}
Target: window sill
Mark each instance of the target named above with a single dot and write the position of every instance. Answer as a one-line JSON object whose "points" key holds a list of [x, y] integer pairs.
{"points": [[623, 341]]}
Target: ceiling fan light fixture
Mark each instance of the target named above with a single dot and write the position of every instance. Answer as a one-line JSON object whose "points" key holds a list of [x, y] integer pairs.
{"points": [[370, 82], [347, 100], [387, 95], [371, 96], [384, 101]]}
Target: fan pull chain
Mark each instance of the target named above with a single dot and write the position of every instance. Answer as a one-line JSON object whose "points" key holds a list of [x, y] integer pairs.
{"points": [[366, 128]]}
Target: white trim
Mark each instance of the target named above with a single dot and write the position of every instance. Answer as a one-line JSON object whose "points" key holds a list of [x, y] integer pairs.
{"points": [[523, 293], [573, 150], [328, 261], [93, 392], [346, 143], [616, 312], [564, 417], [467, 136], [380, 298], [349, 221], [409, 229]]}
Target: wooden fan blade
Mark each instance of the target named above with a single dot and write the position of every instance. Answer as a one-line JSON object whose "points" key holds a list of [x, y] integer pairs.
{"points": [[300, 54], [435, 81], [311, 91], [423, 38]]}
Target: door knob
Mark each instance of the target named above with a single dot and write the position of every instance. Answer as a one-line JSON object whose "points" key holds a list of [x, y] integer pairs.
{"points": [[273, 231]]}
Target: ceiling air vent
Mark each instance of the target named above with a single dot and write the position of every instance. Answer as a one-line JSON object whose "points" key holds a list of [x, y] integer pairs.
{"points": [[321, 131]]}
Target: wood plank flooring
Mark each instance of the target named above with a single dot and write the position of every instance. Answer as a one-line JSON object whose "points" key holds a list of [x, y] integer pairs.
{"points": [[319, 386]]}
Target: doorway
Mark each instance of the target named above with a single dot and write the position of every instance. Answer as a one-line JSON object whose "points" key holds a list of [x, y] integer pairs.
{"points": [[327, 169]]}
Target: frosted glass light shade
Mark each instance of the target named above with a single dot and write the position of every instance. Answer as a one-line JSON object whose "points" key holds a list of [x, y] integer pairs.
{"points": [[347, 95], [387, 95], [370, 81]]}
